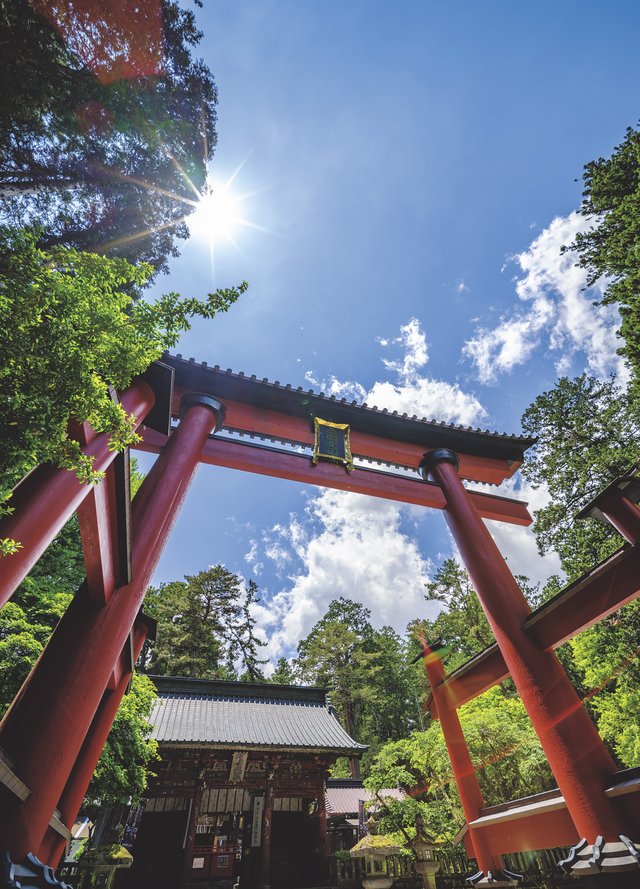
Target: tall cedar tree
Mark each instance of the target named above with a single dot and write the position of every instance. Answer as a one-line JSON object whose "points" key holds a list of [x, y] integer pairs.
{"points": [[106, 125], [371, 683], [611, 246], [589, 433], [205, 627]]}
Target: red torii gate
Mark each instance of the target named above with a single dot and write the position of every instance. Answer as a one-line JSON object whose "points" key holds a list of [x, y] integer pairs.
{"points": [[51, 737]]}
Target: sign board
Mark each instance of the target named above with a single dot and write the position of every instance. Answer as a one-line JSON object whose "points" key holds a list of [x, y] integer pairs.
{"points": [[256, 824], [331, 442]]}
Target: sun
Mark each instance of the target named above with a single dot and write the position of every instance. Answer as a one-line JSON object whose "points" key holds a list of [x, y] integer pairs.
{"points": [[217, 214]]}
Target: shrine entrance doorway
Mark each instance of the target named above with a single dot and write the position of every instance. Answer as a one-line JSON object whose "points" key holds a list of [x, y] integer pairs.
{"points": [[296, 860], [159, 851]]}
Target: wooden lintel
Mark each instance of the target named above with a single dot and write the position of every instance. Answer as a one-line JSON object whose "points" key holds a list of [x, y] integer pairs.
{"points": [[271, 424], [582, 604], [295, 467], [587, 601], [104, 517]]}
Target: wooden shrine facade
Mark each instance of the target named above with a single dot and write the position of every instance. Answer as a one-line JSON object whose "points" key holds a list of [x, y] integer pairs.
{"points": [[239, 790], [189, 413]]}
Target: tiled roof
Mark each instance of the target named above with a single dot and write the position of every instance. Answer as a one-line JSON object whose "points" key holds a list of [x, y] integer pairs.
{"points": [[299, 402], [191, 711], [345, 800]]}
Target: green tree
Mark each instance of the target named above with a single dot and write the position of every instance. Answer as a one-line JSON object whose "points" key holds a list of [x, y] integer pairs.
{"points": [[367, 670], [69, 336], [122, 771], [611, 246], [589, 433], [506, 753], [284, 674], [107, 124], [205, 627]]}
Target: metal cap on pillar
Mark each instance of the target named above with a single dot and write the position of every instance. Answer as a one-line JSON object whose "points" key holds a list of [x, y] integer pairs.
{"points": [[200, 398], [440, 455]]}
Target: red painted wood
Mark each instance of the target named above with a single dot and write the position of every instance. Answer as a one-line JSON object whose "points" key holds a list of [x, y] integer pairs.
{"points": [[48, 497], [623, 514], [577, 608], [546, 830], [577, 756], [98, 520], [282, 464], [588, 601], [75, 789], [45, 727], [473, 678], [248, 418], [463, 769]]}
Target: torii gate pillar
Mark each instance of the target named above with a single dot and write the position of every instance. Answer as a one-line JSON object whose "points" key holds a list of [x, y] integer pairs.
{"points": [[44, 729], [577, 755]]}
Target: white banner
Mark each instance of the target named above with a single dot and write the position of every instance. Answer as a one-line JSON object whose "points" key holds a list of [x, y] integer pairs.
{"points": [[256, 825]]}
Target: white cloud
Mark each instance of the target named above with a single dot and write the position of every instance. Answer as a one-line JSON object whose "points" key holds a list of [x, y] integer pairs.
{"points": [[338, 388], [557, 314], [354, 547]]}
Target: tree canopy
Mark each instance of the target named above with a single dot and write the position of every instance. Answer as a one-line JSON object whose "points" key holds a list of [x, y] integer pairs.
{"points": [[106, 126], [70, 334], [503, 745], [371, 682], [589, 433], [610, 247], [205, 627]]}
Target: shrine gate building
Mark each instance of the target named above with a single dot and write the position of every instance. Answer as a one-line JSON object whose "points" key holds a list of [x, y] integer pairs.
{"points": [[239, 790]]}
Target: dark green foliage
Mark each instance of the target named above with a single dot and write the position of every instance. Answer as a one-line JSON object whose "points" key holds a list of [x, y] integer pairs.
{"points": [[106, 124], [68, 335], [589, 433], [611, 200], [371, 682], [205, 627], [284, 673], [461, 625]]}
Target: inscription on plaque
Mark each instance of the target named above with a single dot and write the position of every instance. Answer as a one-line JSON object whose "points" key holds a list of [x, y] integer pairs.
{"points": [[331, 442]]}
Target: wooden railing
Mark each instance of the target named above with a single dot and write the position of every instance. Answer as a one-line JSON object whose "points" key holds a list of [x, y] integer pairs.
{"points": [[539, 869]]}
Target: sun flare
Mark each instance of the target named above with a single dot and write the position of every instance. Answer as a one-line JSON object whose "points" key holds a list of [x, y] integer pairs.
{"points": [[217, 214]]}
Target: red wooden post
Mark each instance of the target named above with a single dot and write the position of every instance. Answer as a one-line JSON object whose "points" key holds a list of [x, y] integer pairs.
{"points": [[461, 763], [48, 497], [623, 514], [577, 756], [75, 789], [44, 729]]}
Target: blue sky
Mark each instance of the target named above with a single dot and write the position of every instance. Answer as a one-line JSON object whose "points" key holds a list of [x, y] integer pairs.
{"points": [[410, 168]]}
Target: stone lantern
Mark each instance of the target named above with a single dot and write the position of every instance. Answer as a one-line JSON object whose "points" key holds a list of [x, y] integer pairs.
{"points": [[374, 850], [426, 864]]}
